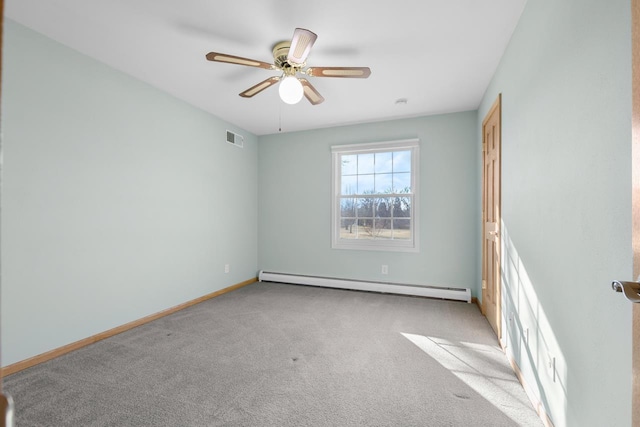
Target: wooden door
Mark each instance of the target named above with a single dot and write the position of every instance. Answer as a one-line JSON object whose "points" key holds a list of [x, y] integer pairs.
{"points": [[635, 181], [491, 304]]}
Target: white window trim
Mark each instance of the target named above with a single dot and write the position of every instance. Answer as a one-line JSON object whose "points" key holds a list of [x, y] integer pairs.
{"points": [[375, 245]]}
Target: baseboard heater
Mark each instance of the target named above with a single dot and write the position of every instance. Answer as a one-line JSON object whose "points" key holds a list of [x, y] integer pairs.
{"points": [[459, 294]]}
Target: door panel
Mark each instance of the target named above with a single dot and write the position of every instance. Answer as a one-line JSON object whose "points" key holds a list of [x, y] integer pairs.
{"points": [[491, 286]]}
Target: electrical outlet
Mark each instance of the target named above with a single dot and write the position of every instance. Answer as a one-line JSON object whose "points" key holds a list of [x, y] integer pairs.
{"points": [[227, 268], [385, 269]]}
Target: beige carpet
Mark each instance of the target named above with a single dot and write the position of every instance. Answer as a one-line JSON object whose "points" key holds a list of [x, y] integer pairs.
{"points": [[283, 355]]}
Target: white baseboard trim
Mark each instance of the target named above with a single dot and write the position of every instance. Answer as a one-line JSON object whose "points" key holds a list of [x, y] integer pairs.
{"points": [[459, 294]]}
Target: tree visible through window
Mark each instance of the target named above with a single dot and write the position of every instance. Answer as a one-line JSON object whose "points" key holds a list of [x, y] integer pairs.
{"points": [[375, 196]]}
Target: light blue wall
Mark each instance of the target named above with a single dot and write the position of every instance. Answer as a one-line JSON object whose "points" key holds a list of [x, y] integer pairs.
{"points": [[566, 203], [118, 200], [295, 203]]}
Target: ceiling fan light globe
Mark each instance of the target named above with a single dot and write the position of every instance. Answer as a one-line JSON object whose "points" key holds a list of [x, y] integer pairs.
{"points": [[290, 90]]}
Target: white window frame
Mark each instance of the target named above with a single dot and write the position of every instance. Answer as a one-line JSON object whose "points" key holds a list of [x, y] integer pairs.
{"points": [[407, 245]]}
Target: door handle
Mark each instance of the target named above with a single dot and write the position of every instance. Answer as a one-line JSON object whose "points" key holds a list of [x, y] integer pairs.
{"points": [[631, 290]]}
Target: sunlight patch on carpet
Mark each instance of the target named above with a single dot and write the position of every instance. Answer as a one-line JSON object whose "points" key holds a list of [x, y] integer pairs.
{"points": [[475, 365]]}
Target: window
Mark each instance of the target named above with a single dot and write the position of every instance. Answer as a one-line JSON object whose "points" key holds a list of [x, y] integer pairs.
{"points": [[374, 196]]}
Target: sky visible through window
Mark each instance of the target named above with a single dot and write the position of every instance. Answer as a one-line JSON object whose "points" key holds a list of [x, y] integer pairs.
{"points": [[376, 173]]}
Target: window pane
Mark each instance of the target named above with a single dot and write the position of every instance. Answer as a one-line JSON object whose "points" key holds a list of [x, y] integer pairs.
{"points": [[365, 207], [385, 233], [349, 184], [402, 161], [401, 182], [366, 163], [348, 208], [349, 164], [383, 208], [348, 229], [383, 183], [366, 184], [384, 162], [365, 228], [402, 229], [383, 228], [401, 207]]}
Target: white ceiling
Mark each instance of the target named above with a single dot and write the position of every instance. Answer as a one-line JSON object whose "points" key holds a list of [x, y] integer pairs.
{"points": [[438, 54]]}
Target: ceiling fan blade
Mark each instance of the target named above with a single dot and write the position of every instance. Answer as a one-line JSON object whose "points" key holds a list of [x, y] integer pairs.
{"points": [[253, 90], [301, 45], [348, 72], [311, 93], [230, 59]]}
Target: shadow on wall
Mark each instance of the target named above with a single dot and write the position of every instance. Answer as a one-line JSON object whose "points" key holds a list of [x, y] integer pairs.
{"points": [[529, 338]]}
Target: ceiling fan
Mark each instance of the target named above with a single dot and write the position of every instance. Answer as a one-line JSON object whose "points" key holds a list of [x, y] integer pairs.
{"points": [[289, 57]]}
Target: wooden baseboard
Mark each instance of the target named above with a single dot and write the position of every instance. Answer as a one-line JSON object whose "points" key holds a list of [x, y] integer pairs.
{"points": [[475, 301], [52, 354], [537, 405]]}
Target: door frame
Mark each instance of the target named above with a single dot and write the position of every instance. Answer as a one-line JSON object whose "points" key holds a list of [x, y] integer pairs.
{"points": [[5, 403], [497, 106], [635, 184]]}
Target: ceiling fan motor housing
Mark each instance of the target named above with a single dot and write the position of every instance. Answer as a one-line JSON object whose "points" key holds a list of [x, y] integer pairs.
{"points": [[280, 55]]}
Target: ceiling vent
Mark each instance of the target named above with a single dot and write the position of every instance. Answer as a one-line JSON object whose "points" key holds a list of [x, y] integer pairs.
{"points": [[235, 139]]}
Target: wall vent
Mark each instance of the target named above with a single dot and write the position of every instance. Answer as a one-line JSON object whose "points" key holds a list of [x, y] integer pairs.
{"points": [[235, 139]]}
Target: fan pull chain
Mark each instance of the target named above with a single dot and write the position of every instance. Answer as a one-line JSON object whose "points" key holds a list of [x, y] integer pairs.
{"points": [[279, 116]]}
